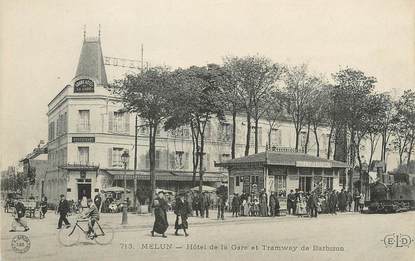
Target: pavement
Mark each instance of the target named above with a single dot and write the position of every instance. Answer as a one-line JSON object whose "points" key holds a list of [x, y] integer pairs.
{"points": [[346, 236]]}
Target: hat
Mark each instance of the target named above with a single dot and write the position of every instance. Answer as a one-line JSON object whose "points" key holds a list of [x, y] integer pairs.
{"points": [[62, 195]]}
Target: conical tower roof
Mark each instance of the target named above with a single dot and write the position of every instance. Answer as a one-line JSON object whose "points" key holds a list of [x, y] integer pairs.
{"points": [[91, 61]]}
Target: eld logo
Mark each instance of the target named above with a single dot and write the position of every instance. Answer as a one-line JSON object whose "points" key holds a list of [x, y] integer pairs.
{"points": [[397, 240]]}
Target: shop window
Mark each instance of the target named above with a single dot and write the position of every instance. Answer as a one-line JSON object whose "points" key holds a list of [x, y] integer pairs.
{"points": [[237, 181], [329, 183], [280, 184]]}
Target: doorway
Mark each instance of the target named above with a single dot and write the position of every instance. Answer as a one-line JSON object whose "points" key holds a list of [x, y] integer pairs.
{"points": [[305, 184], [84, 190]]}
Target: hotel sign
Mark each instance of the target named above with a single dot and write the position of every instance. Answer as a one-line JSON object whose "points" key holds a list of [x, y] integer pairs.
{"points": [[83, 139], [313, 164], [83, 86]]}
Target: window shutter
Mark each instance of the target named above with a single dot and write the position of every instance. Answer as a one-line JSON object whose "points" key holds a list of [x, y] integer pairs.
{"points": [[127, 122], [109, 157], [128, 163], [186, 160], [110, 121]]}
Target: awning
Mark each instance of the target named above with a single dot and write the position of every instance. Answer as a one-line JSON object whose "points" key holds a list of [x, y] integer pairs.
{"points": [[166, 175]]}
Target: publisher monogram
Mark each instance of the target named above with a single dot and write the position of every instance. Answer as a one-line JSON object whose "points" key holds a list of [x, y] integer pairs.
{"points": [[397, 240]]}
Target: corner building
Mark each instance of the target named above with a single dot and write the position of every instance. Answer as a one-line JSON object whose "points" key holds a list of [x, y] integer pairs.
{"points": [[87, 134]]}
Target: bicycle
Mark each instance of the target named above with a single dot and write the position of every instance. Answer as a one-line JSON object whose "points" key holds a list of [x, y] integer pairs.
{"points": [[104, 234]]}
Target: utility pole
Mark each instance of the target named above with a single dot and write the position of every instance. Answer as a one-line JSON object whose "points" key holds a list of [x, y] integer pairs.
{"points": [[135, 163]]}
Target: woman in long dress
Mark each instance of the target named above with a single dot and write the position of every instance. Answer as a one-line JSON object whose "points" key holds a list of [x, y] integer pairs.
{"points": [[246, 204], [301, 205], [160, 213]]}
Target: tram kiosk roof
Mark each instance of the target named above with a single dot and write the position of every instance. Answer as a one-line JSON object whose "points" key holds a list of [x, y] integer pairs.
{"points": [[272, 158]]}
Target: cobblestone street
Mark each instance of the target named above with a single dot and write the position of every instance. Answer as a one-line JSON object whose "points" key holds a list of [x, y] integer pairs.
{"points": [[339, 237]]}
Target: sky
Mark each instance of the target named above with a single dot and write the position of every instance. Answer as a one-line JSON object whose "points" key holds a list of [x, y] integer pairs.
{"points": [[40, 43]]}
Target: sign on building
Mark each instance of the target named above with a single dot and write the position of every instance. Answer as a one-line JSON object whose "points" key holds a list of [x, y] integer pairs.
{"points": [[83, 139], [84, 86]]}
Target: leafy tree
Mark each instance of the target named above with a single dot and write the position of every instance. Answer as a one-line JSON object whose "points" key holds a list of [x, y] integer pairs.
{"points": [[404, 130], [299, 86], [148, 95], [195, 100]]}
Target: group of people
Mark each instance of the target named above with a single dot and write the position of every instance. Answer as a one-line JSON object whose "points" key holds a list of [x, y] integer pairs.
{"points": [[181, 210], [247, 205]]}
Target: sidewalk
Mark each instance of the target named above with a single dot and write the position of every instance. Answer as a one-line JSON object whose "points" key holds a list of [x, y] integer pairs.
{"points": [[47, 226]]}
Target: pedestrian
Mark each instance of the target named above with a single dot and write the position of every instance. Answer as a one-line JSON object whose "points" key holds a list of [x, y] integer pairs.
{"points": [[312, 204], [333, 200], [43, 207], [291, 198], [19, 216], [97, 201], [356, 200], [189, 199], [235, 205], [246, 205], [263, 202], [272, 204], [300, 205], [206, 203], [182, 211], [63, 210], [222, 193], [160, 215], [361, 202], [349, 197], [196, 204], [342, 201]]}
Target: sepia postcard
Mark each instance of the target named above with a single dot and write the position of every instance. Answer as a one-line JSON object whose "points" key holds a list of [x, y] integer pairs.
{"points": [[207, 130]]}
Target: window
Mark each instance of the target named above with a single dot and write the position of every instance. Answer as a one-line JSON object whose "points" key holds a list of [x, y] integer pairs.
{"points": [[116, 157], [329, 182], [303, 137], [158, 154], [178, 160], [280, 183], [252, 136], [276, 137], [255, 179], [83, 155], [225, 132], [237, 181], [83, 123], [342, 178], [51, 131], [118, 122]]}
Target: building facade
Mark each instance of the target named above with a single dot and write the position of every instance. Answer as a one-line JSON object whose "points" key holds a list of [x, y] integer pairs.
{"points": [[88, 132]]}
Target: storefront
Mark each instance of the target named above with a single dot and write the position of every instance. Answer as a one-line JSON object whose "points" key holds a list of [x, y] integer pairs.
{"points": [[281, 172]]}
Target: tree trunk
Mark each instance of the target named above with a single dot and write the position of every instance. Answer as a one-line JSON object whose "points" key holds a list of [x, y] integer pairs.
{"points": [[410, 148], [329, 142], [317, 141], [383, 149], [297, 137], [248, 133], [233, 147], [201, 170], [256, 135], [307, 138], [152, 151], [195, 151]]}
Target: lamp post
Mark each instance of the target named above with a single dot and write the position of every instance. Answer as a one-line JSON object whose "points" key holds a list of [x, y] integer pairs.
{"points": [[124, 159]]}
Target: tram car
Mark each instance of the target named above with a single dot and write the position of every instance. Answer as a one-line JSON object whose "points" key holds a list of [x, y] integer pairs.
{"points": [[390, 198]]}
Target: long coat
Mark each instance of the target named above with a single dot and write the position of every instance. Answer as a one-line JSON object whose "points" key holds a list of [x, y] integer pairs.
{"points": [[160, 213], [182, 211]]}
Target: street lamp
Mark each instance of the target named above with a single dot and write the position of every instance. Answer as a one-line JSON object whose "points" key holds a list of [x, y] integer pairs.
{"points": [[124, 159]]}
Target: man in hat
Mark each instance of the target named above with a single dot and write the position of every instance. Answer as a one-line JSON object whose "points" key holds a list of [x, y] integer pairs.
{"points": [[222, 193], [291, 198], [98, 200], [63, 210], [19, 214]]}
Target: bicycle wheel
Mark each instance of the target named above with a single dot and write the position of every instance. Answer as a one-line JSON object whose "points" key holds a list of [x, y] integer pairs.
{"points": [[104, 234], [68, 236]]}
